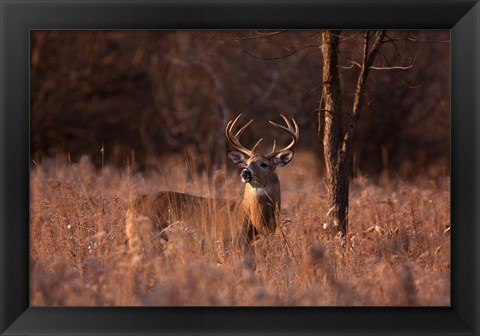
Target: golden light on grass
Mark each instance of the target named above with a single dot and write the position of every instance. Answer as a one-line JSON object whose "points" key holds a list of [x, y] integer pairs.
{"points": [[398, 250]]}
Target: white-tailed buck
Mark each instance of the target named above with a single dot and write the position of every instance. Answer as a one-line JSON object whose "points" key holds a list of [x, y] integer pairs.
{"points": [[150, 216]]}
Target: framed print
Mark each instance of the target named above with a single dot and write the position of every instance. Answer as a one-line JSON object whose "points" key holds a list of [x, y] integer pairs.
{"points": [[138, 197]]}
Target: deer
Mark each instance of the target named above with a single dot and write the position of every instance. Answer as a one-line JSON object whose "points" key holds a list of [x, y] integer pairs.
{"points": [[149, 217]]}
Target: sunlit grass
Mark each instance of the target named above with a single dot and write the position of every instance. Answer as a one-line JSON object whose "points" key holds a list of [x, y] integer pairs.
{"points": [[79, 254]]}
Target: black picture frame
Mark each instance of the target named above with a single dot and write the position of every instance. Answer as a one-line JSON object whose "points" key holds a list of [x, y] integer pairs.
{"points": [[18, 17]]}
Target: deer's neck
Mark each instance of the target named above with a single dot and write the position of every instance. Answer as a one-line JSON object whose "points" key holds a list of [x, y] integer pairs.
{"points": [[262, 205]]}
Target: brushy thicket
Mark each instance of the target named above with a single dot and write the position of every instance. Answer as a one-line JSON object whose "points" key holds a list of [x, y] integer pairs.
{"points": [[79, 254]]}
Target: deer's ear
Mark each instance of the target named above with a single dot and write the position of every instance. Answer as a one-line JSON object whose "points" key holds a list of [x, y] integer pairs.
{"points": [[283, 158], [237, 158]]}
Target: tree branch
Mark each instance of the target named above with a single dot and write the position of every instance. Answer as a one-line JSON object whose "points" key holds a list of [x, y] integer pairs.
{"points": [[394, 67], [367, 62], [259, 36], [279, 57]]}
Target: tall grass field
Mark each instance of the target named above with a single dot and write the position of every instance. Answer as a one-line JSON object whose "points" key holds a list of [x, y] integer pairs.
{"points": [[397, 251]]}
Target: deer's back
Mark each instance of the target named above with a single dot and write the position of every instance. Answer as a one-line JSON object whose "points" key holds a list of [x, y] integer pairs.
{"points": [[167, 206]]}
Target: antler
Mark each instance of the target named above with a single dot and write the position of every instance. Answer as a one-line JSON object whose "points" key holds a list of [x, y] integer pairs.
{"points": [[292, 131], [234, 139]]}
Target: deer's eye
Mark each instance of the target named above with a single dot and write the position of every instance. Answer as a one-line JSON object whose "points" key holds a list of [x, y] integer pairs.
{"points": [[263, 165]]}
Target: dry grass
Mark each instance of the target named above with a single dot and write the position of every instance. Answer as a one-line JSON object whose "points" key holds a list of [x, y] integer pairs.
{"points": [[79, 254]]}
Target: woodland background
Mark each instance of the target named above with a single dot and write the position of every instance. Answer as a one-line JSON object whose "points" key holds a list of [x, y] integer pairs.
{"points": [[147, 94]]}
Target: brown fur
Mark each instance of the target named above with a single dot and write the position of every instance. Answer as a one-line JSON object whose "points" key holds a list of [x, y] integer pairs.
{"points": [[256, 214], [150, 216]]}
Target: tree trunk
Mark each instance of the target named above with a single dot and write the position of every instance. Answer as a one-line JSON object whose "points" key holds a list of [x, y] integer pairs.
{"points": [[337, 142], [337, 171]]}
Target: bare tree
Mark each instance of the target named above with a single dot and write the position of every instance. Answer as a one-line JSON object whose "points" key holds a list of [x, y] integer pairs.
{"points": [[337, 126]]}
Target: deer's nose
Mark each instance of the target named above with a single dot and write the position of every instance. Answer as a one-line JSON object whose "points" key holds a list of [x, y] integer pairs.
{"points": [[246, 175]]}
